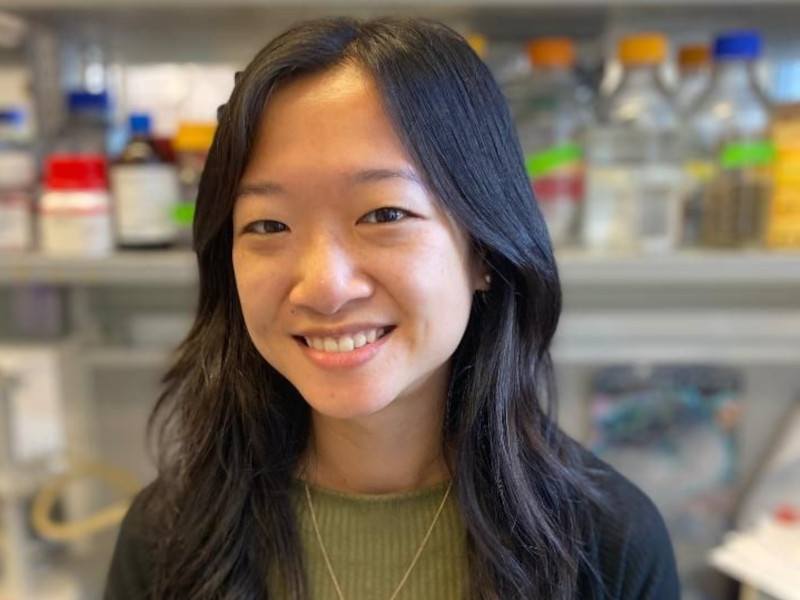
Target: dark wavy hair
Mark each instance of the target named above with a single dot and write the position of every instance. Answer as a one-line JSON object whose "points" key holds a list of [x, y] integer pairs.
{"points": [[230, 429]]}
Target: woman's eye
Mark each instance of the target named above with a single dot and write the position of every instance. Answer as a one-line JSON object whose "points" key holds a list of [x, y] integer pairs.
{"points": [[265, 227], [387, 214]]}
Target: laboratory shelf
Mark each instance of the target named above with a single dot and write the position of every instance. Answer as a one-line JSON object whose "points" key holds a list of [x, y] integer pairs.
{"points": [[157, 268], [122, 357], [178, 267], [736, 337], [699, 267], [377, 4]]}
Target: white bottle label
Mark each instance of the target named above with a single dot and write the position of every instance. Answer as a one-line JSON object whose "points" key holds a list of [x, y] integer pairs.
{"points": [[661, 190], [634, 207], [145, 197], [75, 223], [609, 217]]}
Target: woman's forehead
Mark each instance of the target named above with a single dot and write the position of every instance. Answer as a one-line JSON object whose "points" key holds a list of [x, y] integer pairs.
{"points": [[331, 122], [343, 82], [343, 100]]}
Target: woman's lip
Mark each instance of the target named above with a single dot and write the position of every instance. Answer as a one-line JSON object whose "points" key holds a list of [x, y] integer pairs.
{"points": [[344, 360], [340, 331]]}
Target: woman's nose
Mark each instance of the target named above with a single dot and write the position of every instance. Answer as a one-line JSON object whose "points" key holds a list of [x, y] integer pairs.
{"points": [[329, 277]]}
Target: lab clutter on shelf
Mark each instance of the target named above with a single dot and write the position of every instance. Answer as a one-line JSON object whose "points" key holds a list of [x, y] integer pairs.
{"points": [[705, 163], [649, 166]]}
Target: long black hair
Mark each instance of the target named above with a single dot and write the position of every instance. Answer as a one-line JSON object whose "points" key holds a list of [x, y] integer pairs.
{"points": [[231, 429]]}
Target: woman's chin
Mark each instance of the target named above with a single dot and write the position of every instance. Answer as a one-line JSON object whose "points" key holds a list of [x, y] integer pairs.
{"points": [[347, 407]]}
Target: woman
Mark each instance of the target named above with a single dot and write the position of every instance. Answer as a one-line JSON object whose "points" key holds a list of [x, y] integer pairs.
{"points": [[364, 407]]}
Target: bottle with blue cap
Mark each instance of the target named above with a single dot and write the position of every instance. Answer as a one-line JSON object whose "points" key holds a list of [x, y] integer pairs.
{"points": [[87, 126], [145, 189], [731, 121]]}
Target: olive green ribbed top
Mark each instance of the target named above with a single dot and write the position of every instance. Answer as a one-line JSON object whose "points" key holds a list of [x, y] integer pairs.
{"points": [[372, 539]]}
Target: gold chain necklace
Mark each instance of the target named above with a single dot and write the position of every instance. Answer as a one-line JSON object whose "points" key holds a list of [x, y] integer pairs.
{"points": [[410, 567]]}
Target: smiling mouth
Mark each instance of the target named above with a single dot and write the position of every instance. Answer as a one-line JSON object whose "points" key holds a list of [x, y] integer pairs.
{"points": [[386, 331]]}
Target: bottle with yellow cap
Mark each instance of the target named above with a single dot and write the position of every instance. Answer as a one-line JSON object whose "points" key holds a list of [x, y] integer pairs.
{"points": [[634, 176], [552, 118], [478, 42], [192, 142], [496, 57]]}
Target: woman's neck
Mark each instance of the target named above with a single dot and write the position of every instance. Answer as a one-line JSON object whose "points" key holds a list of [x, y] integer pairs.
{"points": [[398, 449]]}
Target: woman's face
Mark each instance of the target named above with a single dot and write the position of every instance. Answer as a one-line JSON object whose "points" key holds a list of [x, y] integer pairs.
{"points": [[337, 242]]}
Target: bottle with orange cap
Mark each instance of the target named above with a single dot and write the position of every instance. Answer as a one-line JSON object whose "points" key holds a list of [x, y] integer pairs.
{"points": [[634, 175], [552, 118]]}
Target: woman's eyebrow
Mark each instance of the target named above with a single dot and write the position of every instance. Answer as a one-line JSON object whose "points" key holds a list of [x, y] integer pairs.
{"points": [[260, 188], [270, 188], [373, 175]]}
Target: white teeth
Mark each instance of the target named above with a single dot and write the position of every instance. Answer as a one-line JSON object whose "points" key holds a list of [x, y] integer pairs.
{"points": [[359, 340], [345, 343]]}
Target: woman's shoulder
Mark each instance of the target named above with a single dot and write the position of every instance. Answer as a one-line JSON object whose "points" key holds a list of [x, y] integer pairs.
{"points": [[131, 571], [629, 504], [630, 546]]}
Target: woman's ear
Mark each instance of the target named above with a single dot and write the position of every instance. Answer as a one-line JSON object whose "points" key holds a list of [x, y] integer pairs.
{"points": [[484, 281], [482, 272]]}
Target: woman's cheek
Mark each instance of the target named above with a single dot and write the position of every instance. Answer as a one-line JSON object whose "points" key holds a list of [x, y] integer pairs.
{"points": [[256, 295]]}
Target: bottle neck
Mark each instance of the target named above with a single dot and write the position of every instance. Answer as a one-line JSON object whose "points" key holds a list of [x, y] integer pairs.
{"points": [[640, 76], [733, 73], [556, 74], [551, 79], [698, 72], [641, 99]]}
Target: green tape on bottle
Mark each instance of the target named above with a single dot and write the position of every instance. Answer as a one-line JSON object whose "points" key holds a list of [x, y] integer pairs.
{"points": [[747, 154], [183, 214], [542, 163]]}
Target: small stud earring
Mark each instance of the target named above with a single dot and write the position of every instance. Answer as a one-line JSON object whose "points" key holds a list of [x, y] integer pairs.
{"points": [[488, 279]]}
